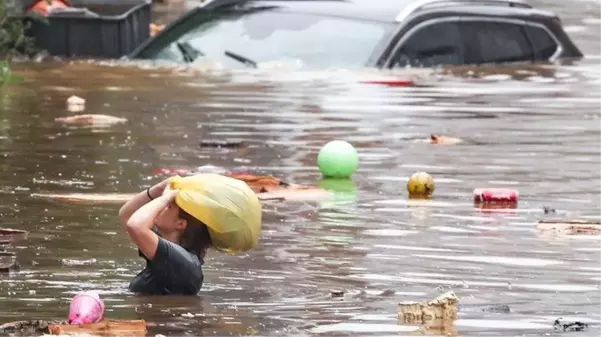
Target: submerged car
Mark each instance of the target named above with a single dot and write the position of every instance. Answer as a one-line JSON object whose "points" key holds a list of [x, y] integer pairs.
{"points": [[362, 33]]}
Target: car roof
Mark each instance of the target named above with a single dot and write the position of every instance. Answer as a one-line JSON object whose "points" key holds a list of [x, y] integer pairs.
{"points": [[387, 10]]}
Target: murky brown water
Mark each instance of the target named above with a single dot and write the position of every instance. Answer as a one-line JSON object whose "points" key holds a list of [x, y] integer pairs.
{"points": [[536, 129]]}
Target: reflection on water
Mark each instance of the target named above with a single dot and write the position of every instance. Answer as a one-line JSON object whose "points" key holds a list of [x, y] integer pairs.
{"points": [[535, 129]]}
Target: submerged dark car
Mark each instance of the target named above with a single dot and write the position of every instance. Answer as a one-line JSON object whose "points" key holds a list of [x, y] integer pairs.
{"points": [[362, 33]]}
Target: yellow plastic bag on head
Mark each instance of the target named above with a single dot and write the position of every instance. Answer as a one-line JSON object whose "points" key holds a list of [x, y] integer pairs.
{"points": [[229, 208]]}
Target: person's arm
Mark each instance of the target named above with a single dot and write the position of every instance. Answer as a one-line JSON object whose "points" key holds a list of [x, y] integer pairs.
{"points": [[139, 200], [139, 225]]}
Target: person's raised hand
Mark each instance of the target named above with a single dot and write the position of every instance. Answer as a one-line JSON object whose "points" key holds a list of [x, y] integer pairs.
{"points": [[170, 193]]}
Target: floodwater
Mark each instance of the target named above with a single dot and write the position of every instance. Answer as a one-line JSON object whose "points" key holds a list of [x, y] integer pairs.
{"points": [[535, 129]]}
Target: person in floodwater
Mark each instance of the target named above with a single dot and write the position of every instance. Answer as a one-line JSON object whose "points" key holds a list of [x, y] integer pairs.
{"points": [[172, 242]]}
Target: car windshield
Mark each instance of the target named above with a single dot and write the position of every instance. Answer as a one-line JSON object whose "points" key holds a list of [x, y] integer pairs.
{"points": [[272, 35]]}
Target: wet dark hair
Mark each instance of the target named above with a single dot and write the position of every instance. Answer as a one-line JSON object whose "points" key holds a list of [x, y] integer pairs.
{"points": [[196, 238]]}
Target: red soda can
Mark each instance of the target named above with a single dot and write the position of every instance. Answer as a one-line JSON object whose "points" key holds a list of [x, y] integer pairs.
{"points": [[503, 195]]}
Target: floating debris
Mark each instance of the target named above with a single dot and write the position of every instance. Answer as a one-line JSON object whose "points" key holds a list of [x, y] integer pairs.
{"points": [[267, 188], [27, 328], [259, 184], [169, 171], [73, 262], [70, 335], [60, 327], [439, 140], [222, 144], [565, 327], [75, 104], [96, 120], [570, 227], [8, 262], [498, 308], [444, 140], [391, 82], [387, 292], [111, 198], [442, 307], [75, 100], [10, 234], [434, 317], [295, 194], [335, 293]]}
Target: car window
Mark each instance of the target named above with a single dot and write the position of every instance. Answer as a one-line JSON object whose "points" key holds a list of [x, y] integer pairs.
{"points": [[273, 35], [496, 42], [544, 45], [431, 45]]}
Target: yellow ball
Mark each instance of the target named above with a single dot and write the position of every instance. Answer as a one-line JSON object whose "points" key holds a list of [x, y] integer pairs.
{"points": [[420, 185]]}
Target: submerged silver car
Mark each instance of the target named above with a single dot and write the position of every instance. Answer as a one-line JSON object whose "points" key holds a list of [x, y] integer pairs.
{"points": [[362, 33]]}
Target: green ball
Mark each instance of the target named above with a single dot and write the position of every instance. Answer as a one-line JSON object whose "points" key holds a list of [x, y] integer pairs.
{"points": [[338, 159]]}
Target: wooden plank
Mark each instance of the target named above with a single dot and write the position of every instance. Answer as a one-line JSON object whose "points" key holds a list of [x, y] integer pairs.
{"points": [[285, 194], [111, 198], [107, 327], [282, 193], [570, 226], [266, 188]]}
